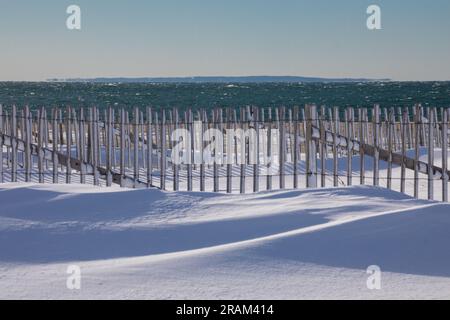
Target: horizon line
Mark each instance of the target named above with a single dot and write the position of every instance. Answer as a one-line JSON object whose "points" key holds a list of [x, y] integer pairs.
{"points": [[218, 78]]}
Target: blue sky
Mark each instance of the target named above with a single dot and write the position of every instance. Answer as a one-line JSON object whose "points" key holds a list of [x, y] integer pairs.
{"points": [[324, 38]]}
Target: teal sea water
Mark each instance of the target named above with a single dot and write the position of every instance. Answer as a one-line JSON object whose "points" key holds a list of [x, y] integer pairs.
{"points": [[207, 95]]}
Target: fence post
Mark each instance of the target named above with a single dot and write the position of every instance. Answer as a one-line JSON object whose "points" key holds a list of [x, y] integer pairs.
{"points": [[282, 149], [157, 138], [61, 135], [403, 124], [97, 148], [385, 123], [108, 151], [28, 137], [149, 148], [414, 110], [256, 119], [203, 119], [68, 144], [40, 150], [311, 154], [444, 130], [229, 150], [269, 150], [136, 146], [335, 128], [113, 139], [323, 146], [21, 133], [3, 130], [122, 147], [76, 131], [397, 133], [430, 153], [362, 178], [296, 151], [176, 174], [221, 129], [422, 127], [82, 132], [163, 150], [13, 130], [243, 148], [436, 129], [1, 143], [142, 139], [215, 126], [7, 126], [349, 126], [417, 141], [290, 146], [192, 133], [390, 125], [55, 136], [127, 140], [408, 124], [376, 157], [46, 137], [90, 151]]}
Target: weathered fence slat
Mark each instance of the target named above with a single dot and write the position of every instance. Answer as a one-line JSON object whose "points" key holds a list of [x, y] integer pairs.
{"points": [[108, 147], [282, 149], [269, 151], [390, 145], [97, 150], [163, 151], [242, 152], [376, 156], [256, 119], [55, 137], [122, 144], [311, 154], [149, 149], [444, 130], [403, 150], [136, 145], [323, 147], [430, 147], [296, 147], [13, 132], [215, 155], [1, 144], [175, 165], [362, 137], [191, 150], [349, 146], [417, 135], [28, 140], [40, 136], [82, 139], [335, 148], [202, 128]]}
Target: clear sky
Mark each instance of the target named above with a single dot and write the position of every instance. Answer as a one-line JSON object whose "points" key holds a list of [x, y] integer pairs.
{"points": [[138, 38]]}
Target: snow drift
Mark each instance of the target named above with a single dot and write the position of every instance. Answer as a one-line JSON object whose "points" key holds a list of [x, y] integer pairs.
{"points": [[314, 243]]}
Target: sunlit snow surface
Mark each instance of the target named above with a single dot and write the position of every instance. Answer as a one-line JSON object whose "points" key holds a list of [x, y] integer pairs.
{"points": [[314, 243]]}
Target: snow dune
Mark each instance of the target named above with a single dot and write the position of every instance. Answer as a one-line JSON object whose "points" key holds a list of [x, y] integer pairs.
{"points": [[314, 243]]}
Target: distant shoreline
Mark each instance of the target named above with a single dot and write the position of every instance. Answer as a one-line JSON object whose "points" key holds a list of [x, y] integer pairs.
{"points": [[219, 79]]}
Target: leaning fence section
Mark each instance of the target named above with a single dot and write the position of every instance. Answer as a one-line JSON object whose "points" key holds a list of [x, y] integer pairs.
{"points": [[229, 150]]}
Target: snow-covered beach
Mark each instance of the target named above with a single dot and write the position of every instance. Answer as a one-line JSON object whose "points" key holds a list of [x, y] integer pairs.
{"points": [[152, 244], [225, 156]]}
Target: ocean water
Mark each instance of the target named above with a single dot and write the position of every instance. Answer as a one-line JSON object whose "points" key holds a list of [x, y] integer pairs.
{"points": [[208, 95]]}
